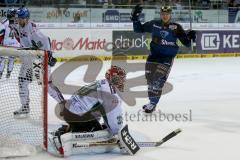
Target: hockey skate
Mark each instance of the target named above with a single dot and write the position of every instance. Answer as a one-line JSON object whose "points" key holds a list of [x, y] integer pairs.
{"points": [[8, 74], [21, 113], [149, 108], [1, 75], [56, 148], [55, 140]]}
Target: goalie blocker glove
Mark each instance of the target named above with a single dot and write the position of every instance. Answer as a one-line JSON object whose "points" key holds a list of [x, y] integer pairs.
{"points": [[136, 11], [127, 141]]}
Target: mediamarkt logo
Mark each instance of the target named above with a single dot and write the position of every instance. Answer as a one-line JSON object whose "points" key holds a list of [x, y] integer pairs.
{"points": [[82, 43]]}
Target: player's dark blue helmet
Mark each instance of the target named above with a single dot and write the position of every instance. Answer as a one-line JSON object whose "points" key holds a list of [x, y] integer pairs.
{"points": [[11, 12], [23, 13]]}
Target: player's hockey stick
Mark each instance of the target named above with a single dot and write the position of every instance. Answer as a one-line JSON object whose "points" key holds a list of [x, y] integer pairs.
{"points": [[190, 18], [143, 144]]}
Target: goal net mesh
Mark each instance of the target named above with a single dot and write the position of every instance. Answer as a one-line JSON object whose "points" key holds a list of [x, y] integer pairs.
{"points": [[19, 135]]}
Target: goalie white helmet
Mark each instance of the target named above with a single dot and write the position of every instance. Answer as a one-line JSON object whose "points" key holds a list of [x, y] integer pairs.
{"points": [[116, 76]]}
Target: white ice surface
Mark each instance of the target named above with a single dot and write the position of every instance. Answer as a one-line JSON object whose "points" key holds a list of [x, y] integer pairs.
{"points": [[210, 88]]}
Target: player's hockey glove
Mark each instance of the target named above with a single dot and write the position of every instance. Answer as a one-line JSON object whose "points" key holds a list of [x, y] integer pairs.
{"points": [[36, 46], [136, 11], [11, 15], [51, 60], [192, 35]]}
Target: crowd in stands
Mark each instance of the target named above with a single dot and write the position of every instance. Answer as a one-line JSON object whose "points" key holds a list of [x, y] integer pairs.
{"points": [[177, 4], [233, 3]]}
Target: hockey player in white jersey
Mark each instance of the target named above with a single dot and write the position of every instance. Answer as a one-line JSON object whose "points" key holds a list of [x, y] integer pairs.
{"points": [[31, 37], [83, 111], [7, 38]]}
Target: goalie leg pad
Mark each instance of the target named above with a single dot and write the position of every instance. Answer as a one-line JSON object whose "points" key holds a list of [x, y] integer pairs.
{"points": [[75, 148], [78, 143], [101, 135]]}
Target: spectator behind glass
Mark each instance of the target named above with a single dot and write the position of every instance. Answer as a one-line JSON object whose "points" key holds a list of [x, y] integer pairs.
{"points": [[178, 5], [79, 2], [205, 4], [105, 3], [230, 3], [134, 2], [5, 3], [236, 3]]}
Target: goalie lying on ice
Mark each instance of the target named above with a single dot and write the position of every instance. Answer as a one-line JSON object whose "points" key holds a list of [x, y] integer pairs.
{"points": [[82, 112]]}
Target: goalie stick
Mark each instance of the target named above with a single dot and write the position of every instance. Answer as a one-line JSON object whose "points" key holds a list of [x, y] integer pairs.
{"points": [[141, 144], [158, 143]]}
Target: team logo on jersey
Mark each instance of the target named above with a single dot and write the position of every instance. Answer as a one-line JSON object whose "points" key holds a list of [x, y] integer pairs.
{"points": [[164, 34]]}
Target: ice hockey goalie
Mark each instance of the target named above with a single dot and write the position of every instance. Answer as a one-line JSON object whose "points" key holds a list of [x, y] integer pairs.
{"points": [[84, 110]]}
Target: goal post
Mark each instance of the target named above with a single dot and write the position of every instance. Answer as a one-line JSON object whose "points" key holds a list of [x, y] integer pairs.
{"points": [[30, 132]]}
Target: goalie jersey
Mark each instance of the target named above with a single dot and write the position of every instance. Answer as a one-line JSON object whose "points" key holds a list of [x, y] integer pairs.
{"points": [[7, 35], [99, 92]]}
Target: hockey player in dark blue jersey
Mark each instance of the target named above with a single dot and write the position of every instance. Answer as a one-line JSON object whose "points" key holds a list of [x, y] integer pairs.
{"points": [[163, 49]]}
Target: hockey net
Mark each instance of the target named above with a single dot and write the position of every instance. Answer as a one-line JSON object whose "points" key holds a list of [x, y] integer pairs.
{"points": [[22, 137]]}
